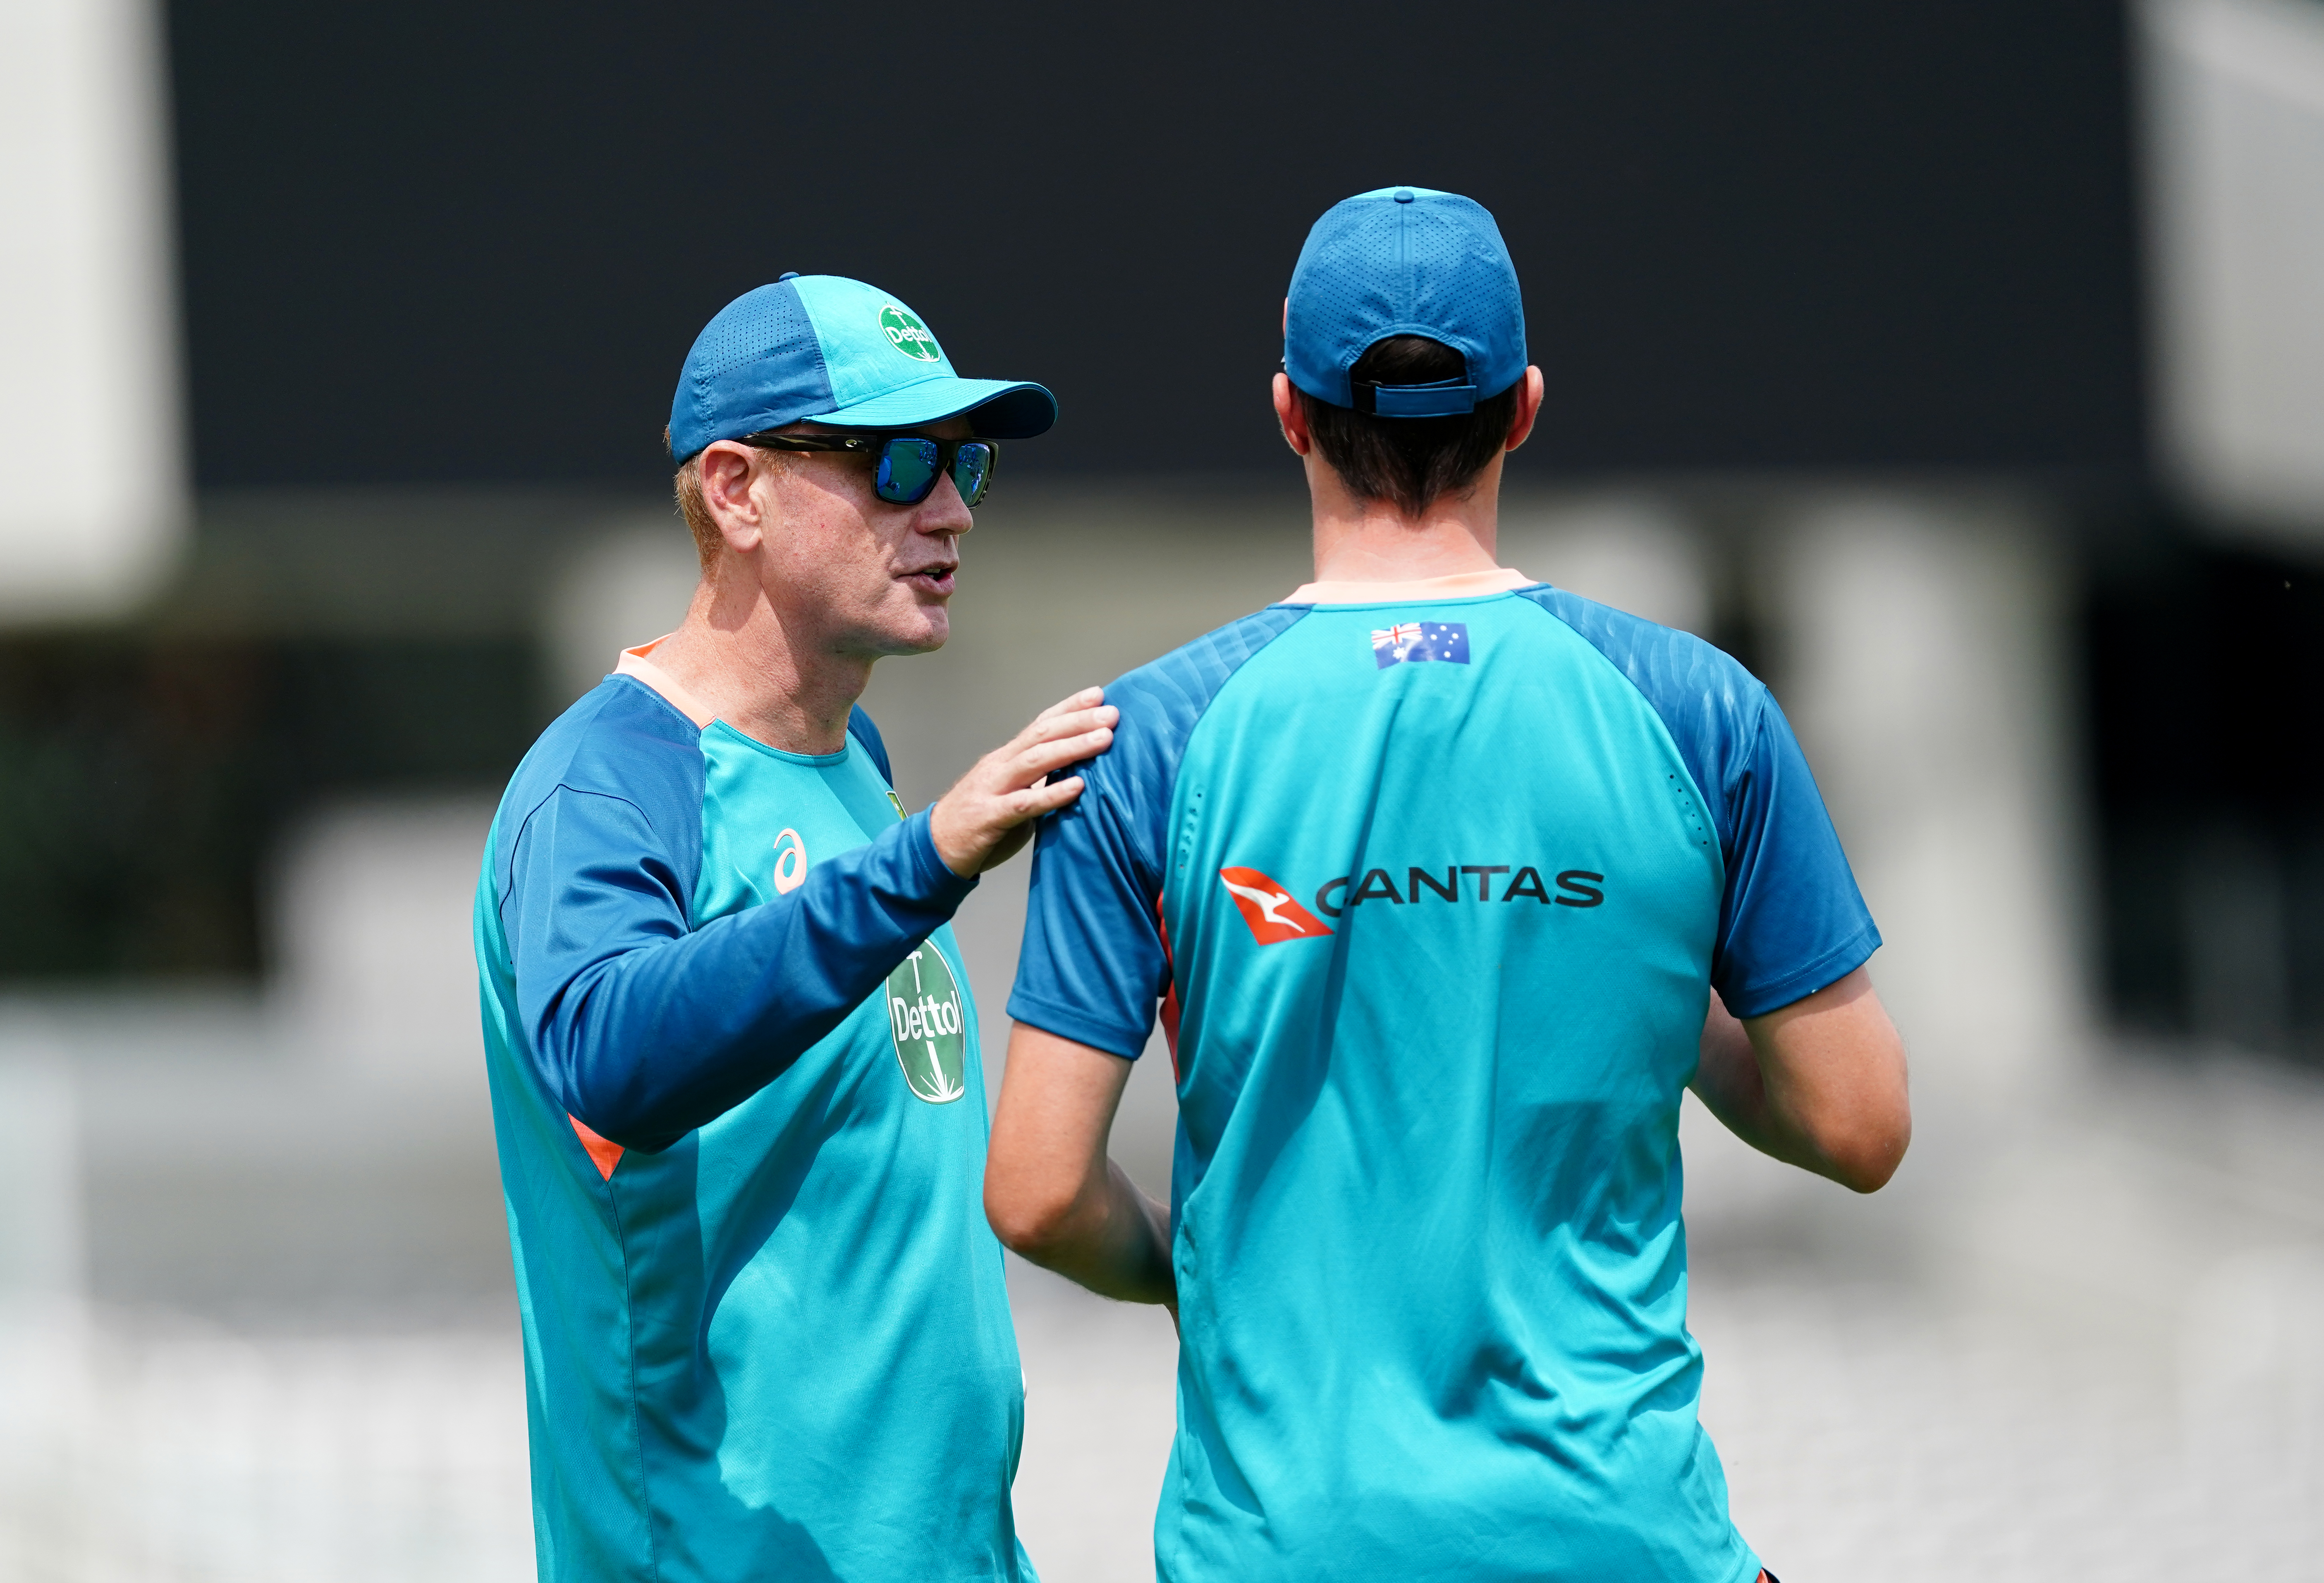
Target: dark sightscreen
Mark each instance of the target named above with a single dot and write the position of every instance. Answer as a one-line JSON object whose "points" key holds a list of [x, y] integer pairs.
{"points": [[440, 242]]}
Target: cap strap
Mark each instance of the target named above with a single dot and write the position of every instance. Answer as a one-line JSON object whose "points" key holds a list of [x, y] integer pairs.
{"points": [[1444, 398]]}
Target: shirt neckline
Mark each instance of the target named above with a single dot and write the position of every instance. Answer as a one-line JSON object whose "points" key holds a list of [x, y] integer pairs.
{"points": [[633, 663], [814, 761], [1458, 585]]}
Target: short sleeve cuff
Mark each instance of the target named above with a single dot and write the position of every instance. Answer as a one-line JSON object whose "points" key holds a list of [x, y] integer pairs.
{"points": [[1757, 1000], [1071, 1023]]}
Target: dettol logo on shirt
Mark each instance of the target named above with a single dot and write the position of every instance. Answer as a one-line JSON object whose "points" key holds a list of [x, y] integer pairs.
{"points": [[931, 1033]]}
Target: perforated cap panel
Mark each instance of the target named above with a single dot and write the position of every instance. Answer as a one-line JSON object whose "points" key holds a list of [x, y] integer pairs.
{"points": [[757, 365], [1402, 261], [769, 322]]}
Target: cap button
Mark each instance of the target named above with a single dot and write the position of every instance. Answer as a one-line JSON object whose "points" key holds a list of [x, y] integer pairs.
{"points": [[789, 275], [1402, 195]]}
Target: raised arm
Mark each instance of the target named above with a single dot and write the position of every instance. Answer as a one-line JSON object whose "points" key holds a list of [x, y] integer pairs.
{"points": [[645, 1029], [1049, 1189], [1818, 1084]]}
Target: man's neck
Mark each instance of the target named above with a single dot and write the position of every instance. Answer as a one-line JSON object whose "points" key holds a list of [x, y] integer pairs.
{"points": [[741, 664], [1360, 541]]}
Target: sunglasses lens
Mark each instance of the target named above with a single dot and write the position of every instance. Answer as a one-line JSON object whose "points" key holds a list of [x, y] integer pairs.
{"points": [[908, 471], [972, 469]]}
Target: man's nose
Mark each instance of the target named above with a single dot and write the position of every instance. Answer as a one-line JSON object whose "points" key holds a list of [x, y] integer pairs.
{"points": [[944, 512]]}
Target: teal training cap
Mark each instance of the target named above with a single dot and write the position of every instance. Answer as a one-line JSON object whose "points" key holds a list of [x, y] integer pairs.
{"points": [[842, 352], [1404, 261]]}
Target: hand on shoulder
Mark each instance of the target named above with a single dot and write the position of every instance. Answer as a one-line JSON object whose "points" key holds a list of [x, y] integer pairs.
{"points": [[987, 816]]}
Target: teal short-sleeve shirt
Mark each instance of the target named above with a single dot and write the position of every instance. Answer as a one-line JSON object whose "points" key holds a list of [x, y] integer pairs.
{"points": [[1430, 885]]}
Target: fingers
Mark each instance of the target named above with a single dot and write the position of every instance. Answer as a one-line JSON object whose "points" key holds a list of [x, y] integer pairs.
{"points": [[1061, 722], [1087, 698], [1034, 801], [1038, 761], [1073, 724], [989, 812], [1059, 737]]}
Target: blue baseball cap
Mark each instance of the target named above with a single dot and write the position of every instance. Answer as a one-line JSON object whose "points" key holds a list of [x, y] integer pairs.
{"points": [[1404, 260], [842, 352]]}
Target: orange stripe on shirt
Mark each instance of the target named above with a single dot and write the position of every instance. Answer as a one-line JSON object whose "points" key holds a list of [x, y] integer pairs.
{"points": [[604, 1153], [1169, 991]]}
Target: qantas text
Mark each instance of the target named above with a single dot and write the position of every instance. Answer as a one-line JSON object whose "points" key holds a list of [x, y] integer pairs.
{"points": [[1457, 882]]}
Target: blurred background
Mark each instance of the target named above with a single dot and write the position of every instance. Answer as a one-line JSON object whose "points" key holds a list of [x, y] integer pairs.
{"points": [[1960, 368]]}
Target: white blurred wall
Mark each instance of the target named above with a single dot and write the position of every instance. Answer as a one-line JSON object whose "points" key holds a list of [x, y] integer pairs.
{"points": [[375, 977], [93, 489], [1921, 658], [1636, 552], [2235, 142], [626, 582]]}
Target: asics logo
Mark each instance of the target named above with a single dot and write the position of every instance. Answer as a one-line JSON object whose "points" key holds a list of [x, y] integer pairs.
{"points": [[790, 862]]}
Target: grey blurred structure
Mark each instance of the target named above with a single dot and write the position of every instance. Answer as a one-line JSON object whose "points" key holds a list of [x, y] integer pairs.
{"points": [[255, 1319], [2235, 93], [93, 468]]}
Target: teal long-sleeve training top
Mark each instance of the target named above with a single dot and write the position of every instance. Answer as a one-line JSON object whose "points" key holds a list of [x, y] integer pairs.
{"points": [[741, 1126]]}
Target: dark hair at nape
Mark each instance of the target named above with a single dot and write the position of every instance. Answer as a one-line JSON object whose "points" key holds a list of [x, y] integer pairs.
{"points": [[1411, 462]]}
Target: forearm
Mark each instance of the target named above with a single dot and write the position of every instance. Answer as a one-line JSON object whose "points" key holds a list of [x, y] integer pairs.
{"points": [[1049, 1189], [1820, 1084], [1114, 1240], [648, 1043], [1729, 1082]]}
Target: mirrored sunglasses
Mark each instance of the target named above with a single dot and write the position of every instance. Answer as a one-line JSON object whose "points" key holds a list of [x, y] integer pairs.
{"points": [[906, 466]]}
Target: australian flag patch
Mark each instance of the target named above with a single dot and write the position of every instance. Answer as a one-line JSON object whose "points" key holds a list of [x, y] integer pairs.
{"points": [[1420, 640]]}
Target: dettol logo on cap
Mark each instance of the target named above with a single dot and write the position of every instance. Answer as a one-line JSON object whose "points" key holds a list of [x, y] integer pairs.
{"points": [[908, 335]]}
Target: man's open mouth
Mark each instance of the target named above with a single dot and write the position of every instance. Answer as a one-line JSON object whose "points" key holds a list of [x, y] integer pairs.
{"points": [[935, 578]]}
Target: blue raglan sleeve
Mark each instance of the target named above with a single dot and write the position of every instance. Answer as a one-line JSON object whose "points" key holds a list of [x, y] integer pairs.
{"points": [[1793, 920], [1094, 962], [644, 1029]]}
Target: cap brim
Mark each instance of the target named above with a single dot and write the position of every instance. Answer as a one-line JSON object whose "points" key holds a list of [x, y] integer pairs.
{"points": [[997, 409]]}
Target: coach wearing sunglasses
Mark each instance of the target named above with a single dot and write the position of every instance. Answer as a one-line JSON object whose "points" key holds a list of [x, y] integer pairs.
{"points": [[730, 1040]]}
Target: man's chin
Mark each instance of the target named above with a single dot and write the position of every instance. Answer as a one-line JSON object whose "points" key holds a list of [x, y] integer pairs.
{"points": [[923, 636]]}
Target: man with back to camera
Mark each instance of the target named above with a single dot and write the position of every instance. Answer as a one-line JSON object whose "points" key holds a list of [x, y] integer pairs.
{"points": [[1447, 882], [731, 1045]]}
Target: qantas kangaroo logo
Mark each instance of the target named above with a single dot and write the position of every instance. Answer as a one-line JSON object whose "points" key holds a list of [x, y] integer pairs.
{"points": [[1267, 908]]}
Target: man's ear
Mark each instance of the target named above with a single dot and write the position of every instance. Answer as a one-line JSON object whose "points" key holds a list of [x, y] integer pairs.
{"points": [[1530, 394], [1291, 417], [728, 471]]}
